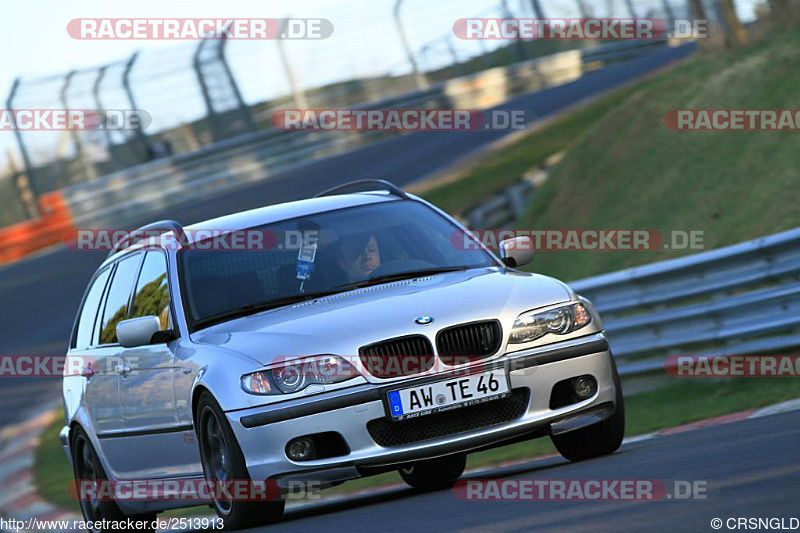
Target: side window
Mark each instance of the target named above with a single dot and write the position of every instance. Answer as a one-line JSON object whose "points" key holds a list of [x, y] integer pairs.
{"points": [[116, 308], [152, 290], [83, 337]]}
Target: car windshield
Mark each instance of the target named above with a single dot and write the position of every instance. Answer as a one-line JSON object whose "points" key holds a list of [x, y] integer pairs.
{"points": [[322, 254]]}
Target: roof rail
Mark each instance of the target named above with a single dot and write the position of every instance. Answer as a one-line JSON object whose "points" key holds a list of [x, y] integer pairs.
{"points": [[364, 186], [130, 239]]}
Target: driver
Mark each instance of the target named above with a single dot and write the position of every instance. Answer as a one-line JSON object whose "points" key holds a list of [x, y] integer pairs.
{"points": [[358, 256]]}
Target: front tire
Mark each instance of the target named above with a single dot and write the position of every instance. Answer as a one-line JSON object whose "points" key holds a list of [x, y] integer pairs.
{"points": [[86, 466], [434, 473], [223, 460], [598, 439]]}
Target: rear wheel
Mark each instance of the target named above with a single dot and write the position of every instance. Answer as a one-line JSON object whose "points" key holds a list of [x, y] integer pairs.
{"points": [[598, 439], [223, 461], [434, 473], [87, 467]]}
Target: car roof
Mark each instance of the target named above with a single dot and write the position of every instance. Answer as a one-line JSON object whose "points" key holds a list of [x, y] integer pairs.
{"points": [[288, 210], [275, 213]]}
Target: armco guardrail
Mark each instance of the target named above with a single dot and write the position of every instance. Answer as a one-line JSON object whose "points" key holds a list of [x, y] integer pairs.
{"points": [[129, 195], [741, 299]]}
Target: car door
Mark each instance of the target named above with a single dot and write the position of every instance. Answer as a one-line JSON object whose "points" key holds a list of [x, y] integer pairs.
{"points": [[102, 390], [152, 426], [83, 382]]}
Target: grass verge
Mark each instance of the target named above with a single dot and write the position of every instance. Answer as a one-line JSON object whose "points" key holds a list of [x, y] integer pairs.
{"points": [[506, 165], [624, 168], [678, 403]]}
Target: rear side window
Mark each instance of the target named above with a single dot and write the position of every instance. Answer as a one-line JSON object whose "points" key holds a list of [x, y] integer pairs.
{"points": [[116, 308], [83, 337], [152, 291]]}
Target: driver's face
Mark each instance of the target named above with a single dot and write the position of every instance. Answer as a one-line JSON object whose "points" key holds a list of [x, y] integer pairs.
{"points": [[358, 264]]}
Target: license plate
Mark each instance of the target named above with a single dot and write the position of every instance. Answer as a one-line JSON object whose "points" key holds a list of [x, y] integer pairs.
{"points": [[448, 394]]}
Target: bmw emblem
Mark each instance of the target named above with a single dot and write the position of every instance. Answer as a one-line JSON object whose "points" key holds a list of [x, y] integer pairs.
{"points": [[424, 320]]}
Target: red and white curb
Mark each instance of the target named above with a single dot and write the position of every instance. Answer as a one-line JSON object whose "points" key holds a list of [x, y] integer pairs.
{"points": [[20, 499]]}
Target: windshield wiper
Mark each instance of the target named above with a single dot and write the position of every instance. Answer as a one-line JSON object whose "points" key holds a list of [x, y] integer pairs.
{"points": [[257, 307], [253, 308], [411, 274]]}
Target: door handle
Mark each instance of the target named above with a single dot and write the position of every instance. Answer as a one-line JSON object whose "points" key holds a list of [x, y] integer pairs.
{"points": [[123, 370]]}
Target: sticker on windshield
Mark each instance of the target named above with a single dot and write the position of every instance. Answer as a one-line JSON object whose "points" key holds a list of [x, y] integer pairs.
{"points": [[305, 260]]}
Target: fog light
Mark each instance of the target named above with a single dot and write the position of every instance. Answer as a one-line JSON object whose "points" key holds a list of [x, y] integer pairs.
{"points": [[301, 449], [584, 387]]}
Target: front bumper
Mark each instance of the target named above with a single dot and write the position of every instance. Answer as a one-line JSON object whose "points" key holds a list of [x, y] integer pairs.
{"points": [[263, 432]]}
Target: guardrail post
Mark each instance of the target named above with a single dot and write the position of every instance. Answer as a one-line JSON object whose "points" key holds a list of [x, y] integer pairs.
{"points": [[419, 77], [33, 209]]}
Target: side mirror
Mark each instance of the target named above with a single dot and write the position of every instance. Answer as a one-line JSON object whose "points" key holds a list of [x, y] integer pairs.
{"points": [[517, 251], [138, 331]]}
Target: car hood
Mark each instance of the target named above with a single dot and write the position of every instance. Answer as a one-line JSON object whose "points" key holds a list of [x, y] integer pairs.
{"points": [[341, 323]]}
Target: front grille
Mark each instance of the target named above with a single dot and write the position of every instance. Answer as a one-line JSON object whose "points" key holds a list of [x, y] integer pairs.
{"points": [[386, 432], [403, 356], [471, 341]]}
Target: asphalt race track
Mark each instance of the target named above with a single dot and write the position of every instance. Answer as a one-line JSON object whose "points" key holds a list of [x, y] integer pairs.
{"points": [[39, 296], [751, 469]]}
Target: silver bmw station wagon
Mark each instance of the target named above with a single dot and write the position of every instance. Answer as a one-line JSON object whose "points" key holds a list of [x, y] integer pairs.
{"points": [[362, 340]]}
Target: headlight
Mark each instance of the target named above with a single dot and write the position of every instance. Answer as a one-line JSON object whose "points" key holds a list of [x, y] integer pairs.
{"points": [[297, 374], [560, 321]]}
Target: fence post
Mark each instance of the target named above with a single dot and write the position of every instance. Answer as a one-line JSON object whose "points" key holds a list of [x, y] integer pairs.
{"points": [[698, 10], [23, 185], [419, 77], [220, 129], [518, 46], [88, 167], [457, 67], [582, 8], [537, 9], [669, 12], [23, 150], [243, 109], [101, 72], [146, 150], [298, 95], [210, 111], [631, 8]]}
